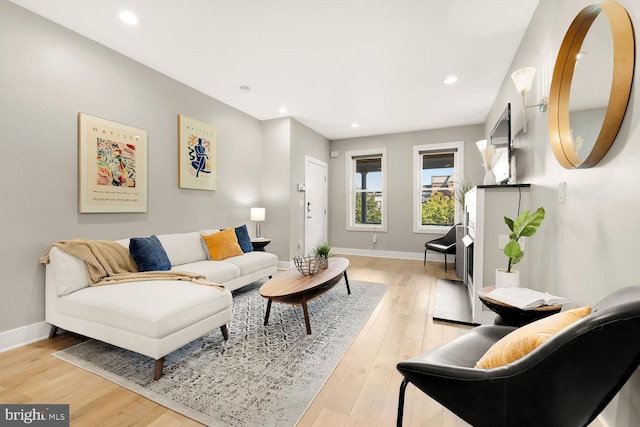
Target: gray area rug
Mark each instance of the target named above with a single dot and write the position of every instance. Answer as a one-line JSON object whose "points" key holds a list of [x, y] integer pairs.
{"points": [[262, 376]]}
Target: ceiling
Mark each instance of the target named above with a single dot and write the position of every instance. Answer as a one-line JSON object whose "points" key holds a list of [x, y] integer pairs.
{"points": [[378, 63]]}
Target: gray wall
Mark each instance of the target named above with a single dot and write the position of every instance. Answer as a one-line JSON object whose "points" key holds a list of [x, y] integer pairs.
{"points": [[304, 142], [399, 236], [286, 143], [585, 248], [47, 75], [276, 177]]}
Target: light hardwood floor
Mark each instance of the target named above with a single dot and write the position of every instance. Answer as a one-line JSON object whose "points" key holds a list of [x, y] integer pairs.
{"points": [[362, 391]]}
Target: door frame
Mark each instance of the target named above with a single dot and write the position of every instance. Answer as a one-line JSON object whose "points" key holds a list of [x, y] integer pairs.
{"points": [[307, 179]]}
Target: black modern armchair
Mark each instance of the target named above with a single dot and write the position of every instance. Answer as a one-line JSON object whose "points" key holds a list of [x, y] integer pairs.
{"points": [[565, 382], [444, 245]]}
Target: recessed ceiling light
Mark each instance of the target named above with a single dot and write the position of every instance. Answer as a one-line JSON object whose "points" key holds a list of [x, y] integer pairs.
{"points": [[128, 17], [355, 125], [283, 110], [450, 80], [245, 88], [580, 55]]}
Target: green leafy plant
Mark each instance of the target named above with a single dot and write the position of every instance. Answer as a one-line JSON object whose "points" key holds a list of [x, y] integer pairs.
{"points": [[525, 225], [322, 251]]}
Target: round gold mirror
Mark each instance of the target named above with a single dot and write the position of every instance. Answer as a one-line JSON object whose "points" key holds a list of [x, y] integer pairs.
{"points": [[591, 84]]}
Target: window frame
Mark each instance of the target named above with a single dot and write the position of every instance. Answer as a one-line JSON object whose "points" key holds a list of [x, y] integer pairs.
{"points": [[350, 189], [458, 171]]}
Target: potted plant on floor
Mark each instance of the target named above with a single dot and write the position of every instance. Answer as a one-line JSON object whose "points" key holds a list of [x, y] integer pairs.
{"points": [[323, 252], [525, 225]]}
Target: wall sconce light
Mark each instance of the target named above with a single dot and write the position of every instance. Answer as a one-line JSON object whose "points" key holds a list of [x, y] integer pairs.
{"points": [[522, 79], [258, 215]]}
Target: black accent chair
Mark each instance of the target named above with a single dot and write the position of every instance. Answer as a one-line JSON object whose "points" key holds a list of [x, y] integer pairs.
{"points": [[565, 382], [444, 245]]}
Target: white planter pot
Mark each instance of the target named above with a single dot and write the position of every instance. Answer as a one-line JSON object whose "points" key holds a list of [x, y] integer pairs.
{"points": [[505, 280]]}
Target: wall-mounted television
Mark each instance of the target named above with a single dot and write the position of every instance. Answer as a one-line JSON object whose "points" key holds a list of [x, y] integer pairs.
{"points": [[501, 140]]}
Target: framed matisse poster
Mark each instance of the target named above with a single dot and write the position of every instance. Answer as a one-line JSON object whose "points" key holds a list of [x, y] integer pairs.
{"points": [[112, 166], [197, 155]]}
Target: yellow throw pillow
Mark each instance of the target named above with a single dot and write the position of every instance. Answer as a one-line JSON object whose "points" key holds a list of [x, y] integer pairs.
{"points": [[223, 244], [524, 340]]}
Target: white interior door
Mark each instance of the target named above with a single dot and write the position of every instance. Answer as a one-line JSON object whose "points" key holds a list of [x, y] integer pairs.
{"points": [[315, 209]]}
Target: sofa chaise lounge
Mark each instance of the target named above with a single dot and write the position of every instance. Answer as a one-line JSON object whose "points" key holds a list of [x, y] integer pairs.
{"points": [[154, 317]]}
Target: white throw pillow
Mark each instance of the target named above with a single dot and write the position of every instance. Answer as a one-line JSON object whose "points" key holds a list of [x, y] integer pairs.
{"points": [[69, 272], [183, 248], [207, 232]]}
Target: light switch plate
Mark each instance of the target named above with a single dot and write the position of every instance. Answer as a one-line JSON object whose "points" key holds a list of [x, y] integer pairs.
{"points": [[503, 239], [562, 192]]}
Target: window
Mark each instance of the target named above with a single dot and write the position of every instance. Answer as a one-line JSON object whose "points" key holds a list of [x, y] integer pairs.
{"points": [[436, 167], [366, 189]]}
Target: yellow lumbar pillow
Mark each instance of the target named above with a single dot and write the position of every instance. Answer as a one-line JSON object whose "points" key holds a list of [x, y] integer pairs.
{"points": [[524, 340], [223, 244]]}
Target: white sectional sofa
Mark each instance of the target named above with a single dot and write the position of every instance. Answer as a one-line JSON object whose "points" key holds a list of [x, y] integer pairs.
{"points": [[155, 317]]}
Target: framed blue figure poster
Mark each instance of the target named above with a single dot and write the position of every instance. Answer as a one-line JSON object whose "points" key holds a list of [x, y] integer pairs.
{"points": [[198, 159]]}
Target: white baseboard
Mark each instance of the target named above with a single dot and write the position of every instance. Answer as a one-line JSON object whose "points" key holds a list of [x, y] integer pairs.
{"points": [[285, 265], [23, 336], [390, 254]]}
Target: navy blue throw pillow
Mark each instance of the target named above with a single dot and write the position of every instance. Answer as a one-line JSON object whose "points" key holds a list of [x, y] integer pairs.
{"points": [[243, 239], [149, 254]]}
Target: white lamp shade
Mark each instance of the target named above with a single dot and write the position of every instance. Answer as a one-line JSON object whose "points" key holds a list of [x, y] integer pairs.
{"points": [[523, 78], [482, 145], [257, 214]]}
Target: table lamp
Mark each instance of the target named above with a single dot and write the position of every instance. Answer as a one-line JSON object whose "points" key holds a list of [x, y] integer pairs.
{"points": [[258, 215]]}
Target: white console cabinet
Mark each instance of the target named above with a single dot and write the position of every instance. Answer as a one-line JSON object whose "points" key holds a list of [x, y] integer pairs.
{"points": [[485, 209]]}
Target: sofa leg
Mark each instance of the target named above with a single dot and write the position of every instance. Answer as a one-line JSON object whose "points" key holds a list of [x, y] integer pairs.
{"points": [[158, 368], [403, 387], [225, 332], [53, 331]]}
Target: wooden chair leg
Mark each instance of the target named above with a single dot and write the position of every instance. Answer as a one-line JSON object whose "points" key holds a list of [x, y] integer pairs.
{"points": [[53, 331], [158, 368], [403, 387], [225, 332]]}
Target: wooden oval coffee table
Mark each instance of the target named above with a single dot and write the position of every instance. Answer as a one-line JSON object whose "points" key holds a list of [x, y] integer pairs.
{"points": [[291, 287]]}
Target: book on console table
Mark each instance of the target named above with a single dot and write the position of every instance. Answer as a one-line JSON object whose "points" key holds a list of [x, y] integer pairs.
{"points": [[524, 298]]}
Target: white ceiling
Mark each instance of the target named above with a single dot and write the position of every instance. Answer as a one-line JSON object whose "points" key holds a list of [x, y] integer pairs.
{"points": [[379, 63]]}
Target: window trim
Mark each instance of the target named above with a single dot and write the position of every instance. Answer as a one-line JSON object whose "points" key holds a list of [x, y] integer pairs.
{"points": [[350, 189], [458, 167]]}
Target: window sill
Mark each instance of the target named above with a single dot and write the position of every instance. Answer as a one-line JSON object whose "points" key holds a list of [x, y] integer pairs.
{"points": [[432, 229], [369, 228]]}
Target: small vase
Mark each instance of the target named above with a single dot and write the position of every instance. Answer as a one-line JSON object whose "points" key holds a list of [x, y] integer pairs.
{"points": [[489, 178], [507, 280]]}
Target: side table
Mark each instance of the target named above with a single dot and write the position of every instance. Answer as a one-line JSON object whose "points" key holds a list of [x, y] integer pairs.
{"points": [[259, 243], [513, 316]]}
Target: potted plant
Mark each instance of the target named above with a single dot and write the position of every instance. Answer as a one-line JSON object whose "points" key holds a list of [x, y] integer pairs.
{"points": [[462, 187], [525, 225], [323, 252]]}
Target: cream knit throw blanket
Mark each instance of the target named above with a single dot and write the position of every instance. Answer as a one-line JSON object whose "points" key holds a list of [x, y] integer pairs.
{"points": [[109, 262]]}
